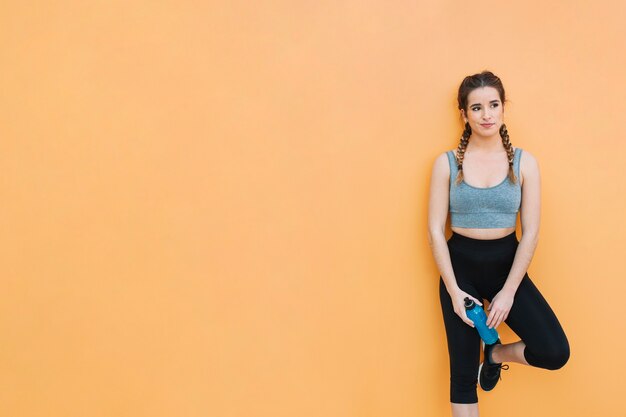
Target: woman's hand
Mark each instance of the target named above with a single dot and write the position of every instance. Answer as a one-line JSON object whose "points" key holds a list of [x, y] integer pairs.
{"points": [[499, 308], [458, 300]]}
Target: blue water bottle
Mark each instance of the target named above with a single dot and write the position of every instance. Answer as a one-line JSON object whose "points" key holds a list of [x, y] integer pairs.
{"points": [[477, 315]]}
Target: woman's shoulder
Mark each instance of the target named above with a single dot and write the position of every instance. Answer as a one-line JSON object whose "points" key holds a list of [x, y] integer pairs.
{"points": [[527, 159], [441, 165]]}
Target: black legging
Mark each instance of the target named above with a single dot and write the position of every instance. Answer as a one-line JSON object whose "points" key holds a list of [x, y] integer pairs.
{"points": [[481, 268]]}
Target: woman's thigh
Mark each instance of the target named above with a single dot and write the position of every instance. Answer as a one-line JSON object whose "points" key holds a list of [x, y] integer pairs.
{"points": [[534, 321]]}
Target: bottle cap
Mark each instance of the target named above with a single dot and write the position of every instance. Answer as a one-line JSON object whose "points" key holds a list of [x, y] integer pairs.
{"points": [[469, 303]]}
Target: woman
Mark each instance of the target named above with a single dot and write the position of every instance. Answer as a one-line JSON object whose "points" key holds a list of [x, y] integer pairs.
{"points": [[483, 259]]}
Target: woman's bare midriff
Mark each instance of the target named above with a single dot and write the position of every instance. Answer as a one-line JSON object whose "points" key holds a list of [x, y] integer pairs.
{"points": [[484, 234]]}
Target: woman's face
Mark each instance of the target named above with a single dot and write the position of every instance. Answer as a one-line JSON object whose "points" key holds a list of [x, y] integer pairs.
{"points": [[484, 111]]}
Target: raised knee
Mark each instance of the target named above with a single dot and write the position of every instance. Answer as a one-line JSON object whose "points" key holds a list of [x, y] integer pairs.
{"points": [[556, 358], [560, 358], [552, 356]]}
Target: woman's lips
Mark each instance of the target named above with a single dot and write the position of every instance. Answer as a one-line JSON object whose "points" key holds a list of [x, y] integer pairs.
{"points": [[487, 125]]}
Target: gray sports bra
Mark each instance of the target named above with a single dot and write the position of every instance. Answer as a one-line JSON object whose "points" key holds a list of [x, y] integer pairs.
{"points": [[484, 208]]}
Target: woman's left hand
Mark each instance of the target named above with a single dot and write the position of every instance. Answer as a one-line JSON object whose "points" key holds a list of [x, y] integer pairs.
{"points": [[499, 308]]}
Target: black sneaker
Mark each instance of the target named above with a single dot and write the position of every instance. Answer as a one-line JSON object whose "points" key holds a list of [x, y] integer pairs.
{"points": [[489, 372]]}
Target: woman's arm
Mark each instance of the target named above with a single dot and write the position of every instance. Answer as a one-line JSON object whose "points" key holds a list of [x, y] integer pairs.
{"points": [[437, 216], [529, 216], [502, 302]]}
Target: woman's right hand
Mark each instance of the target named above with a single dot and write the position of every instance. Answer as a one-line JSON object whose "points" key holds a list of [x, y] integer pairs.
{"points": [[458, 301]]}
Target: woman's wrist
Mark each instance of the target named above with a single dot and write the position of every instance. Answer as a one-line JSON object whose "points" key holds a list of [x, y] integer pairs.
{"points": [[509, 289], [453, 289]]}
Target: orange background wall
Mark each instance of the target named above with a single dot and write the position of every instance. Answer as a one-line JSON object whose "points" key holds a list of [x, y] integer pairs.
{"points": [[219, 209]]}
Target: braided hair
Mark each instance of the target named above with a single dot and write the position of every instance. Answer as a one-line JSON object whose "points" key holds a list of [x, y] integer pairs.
{"points": [[471, 82]]}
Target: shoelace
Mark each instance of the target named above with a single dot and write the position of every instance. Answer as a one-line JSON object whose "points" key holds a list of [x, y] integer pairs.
{"points": [[494, 370]]}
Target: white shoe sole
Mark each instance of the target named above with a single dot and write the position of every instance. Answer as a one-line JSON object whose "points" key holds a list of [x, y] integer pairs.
{"points": [[481, 365], [481, 387]]}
